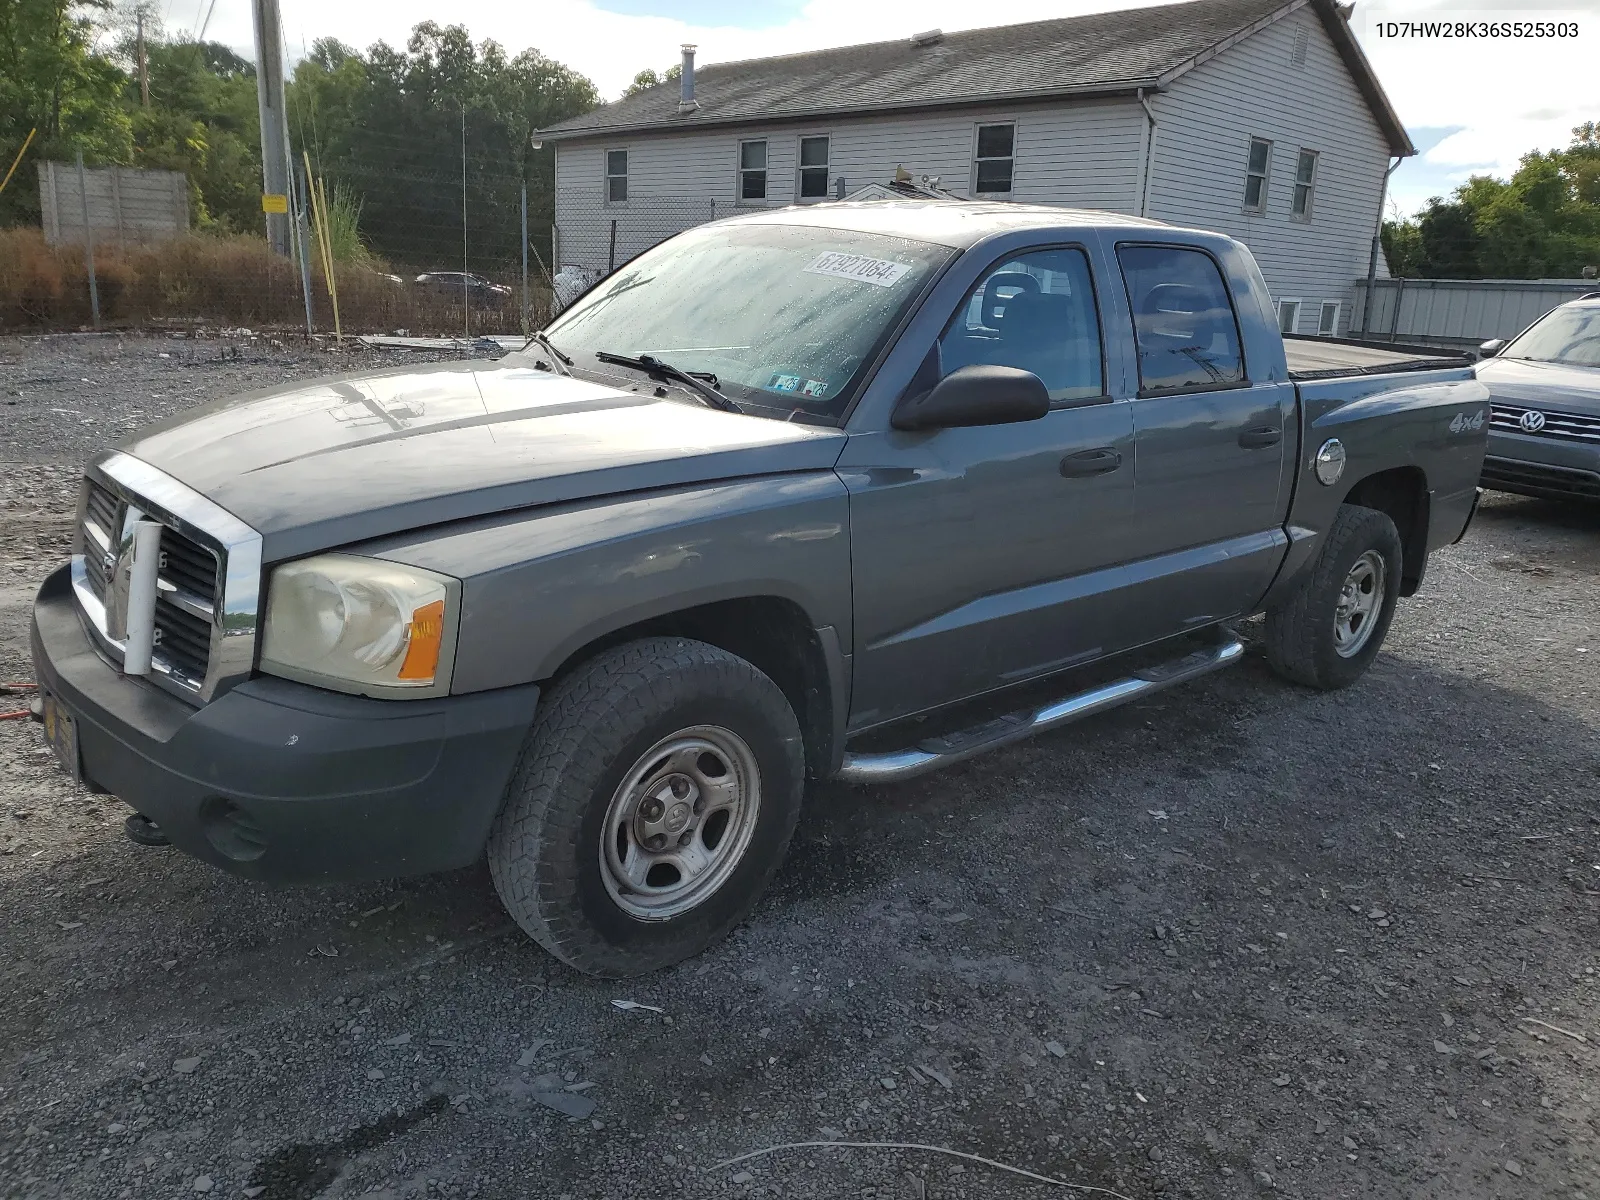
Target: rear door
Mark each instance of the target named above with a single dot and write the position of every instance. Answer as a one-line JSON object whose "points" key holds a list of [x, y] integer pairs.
{"points": [[1209, 446]]}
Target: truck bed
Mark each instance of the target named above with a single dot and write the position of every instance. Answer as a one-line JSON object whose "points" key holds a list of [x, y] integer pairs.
{"points": [[1320, 358]]}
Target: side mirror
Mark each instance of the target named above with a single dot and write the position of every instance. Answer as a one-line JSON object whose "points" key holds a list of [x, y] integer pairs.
{"points": [[975, 395], [1492, 347]]}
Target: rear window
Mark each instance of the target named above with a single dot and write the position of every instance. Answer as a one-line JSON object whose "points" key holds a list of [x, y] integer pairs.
{"points": [[1183, 319]]}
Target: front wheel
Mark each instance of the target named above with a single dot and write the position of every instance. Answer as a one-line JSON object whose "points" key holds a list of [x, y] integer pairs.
{"points": [[1330, 629], [653, 801]]}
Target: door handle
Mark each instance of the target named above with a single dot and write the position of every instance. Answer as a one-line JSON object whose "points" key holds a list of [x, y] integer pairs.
{"points": [[1262, 435], [1099, 461]]}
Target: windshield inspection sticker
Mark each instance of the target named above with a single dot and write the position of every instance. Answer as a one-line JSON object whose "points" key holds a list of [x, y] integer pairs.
{"points": [[784, 383], [814, 387], [879, 272]]}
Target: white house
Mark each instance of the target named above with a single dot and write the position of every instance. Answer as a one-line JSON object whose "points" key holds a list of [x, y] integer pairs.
{"points": [[1259, 118]]}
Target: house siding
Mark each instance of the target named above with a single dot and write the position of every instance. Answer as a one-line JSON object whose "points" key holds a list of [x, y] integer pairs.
{"points": [[1207, 119], [1085, 154]]}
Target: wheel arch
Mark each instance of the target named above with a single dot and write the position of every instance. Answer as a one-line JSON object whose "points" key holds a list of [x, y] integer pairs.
{"points": [[1401, 493], [774, 634]]}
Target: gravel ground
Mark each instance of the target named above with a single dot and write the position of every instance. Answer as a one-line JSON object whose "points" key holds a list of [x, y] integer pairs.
{"points": [[1241, 939]]}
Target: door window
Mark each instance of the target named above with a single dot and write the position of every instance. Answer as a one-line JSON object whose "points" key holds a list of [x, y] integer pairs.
{"points": [[1183, 319], [1035, 312]]}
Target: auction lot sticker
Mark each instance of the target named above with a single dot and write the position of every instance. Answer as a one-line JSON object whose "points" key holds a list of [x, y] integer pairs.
{"points": [[877, 271]]}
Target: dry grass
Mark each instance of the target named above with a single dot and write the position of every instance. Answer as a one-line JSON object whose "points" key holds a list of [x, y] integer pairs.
{"points": [[216, 281]]}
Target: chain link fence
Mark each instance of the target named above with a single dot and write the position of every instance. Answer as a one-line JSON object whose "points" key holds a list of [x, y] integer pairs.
{"points": [[595, 236]]}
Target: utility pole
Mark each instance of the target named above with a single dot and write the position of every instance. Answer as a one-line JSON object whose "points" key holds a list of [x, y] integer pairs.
{"points": [[274, 126], [144, 75]]}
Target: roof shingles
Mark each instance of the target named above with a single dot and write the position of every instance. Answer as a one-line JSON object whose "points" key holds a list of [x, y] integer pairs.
{"points": [[1102, 52], [1071, 54]]}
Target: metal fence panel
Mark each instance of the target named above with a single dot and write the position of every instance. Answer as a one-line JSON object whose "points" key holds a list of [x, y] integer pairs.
{"points": [[1459, 312]]}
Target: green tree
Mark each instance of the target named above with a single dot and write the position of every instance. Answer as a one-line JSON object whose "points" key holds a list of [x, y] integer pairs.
{"points": [[51, 80], [388, 125], [647, 79], [1542, 222], [202, 120]]}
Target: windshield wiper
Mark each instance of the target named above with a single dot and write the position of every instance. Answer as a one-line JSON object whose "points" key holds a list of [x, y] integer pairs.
{"points": [[702, 383], [563, 363]]}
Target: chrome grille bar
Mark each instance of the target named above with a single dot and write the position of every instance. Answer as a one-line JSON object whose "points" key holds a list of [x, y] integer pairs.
{"points": [[207, 582]]}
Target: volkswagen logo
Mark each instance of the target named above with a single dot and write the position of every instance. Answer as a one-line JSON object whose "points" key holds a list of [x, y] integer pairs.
{"points": [[1531, 421]]}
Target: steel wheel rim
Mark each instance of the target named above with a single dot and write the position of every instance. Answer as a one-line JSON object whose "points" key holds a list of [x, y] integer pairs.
{"points": [[1361, 596], [679, 823]]}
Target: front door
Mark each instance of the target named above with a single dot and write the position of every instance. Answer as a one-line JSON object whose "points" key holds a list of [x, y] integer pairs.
{"points": [[1210, 444], [975, 550]]}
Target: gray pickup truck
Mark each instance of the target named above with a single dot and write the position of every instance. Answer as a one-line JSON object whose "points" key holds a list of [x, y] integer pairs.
{"points": [[841, 492]]}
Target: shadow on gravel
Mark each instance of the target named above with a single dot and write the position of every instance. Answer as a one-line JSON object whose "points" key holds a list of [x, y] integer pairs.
{"points": [[302, 1172], [1554, 514]]}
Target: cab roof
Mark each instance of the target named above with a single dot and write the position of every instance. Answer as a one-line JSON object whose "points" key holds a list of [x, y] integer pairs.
{"points": [[955, 223]]}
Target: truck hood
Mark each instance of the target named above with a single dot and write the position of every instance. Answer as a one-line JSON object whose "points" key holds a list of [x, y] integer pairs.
{"points": [[1555, 386], [341, 460]]}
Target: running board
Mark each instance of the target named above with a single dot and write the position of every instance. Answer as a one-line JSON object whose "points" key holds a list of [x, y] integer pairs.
{"points": [[933, 753]]}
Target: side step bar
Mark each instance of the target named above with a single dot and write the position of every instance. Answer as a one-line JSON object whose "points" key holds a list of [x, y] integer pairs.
{"points": [[933, 753]]}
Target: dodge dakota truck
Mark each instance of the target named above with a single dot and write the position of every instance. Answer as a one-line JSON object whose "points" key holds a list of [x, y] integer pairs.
{"points": [[851, 492]]}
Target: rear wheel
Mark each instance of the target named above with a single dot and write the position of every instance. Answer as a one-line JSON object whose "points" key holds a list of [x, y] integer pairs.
{"points": [[1328, 632], [653, 801]]}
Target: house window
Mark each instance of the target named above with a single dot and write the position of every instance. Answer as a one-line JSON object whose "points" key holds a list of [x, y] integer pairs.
{"points": [[1288, 316], [1305, 184], [753, 170], [992, 165], [1255, 175], [1328, 321], [813, 168], [616, 176]]}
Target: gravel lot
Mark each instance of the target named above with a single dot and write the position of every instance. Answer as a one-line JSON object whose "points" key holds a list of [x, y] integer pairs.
{"points": [[1238, 940]]}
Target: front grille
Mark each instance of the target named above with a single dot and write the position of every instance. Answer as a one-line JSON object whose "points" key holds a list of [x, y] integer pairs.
{"points": [[101, 513], [186, 599], [1568, 427], [186, 587]]}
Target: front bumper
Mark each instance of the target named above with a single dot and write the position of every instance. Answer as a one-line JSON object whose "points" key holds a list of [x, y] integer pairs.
{"points": [[1542, 466], [279, 781]]}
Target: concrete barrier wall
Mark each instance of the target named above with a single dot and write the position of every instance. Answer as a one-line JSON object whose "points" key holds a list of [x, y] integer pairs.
{"points": [[127, 206]]}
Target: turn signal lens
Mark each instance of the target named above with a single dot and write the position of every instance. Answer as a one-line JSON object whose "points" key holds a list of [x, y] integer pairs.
{"points": [[422, 646]]}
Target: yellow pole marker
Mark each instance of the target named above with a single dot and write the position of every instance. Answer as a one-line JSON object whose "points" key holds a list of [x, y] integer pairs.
{"points": [[28, 141], [333, 278]]}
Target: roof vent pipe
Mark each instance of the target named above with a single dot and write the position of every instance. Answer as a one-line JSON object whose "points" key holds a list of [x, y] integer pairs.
{"points": [[687, 103]]}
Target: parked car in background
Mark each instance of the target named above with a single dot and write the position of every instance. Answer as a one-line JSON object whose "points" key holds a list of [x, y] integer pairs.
{"points": [[783, 498], [1544, 429], [478, 289]]}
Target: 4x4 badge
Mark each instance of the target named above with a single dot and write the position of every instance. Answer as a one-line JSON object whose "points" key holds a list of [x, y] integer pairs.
{"points": [[1464, 423]]}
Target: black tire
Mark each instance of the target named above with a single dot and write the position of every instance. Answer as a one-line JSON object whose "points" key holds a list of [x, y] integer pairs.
{"points": [[590, 734], [1300, 635]]}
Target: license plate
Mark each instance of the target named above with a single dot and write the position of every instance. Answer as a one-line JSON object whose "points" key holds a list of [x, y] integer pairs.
{"points": [[61, 731]]}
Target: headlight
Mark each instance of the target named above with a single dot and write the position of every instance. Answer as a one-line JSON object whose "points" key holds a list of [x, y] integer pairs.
{"points": [[361, 625]]}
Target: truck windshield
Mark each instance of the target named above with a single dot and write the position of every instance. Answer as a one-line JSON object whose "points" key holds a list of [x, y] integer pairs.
{"points": [[787, 317], [1567, 335]]}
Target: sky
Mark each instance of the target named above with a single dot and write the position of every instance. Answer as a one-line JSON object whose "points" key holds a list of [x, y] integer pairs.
{"points": [[1472, 107]]}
